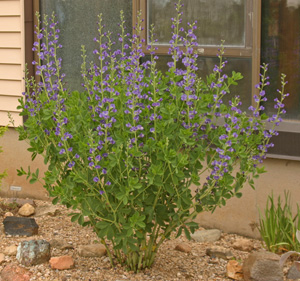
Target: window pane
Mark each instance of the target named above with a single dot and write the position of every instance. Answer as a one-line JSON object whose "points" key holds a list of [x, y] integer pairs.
{"points": [[217, 20], [205, 67], [281, 49], [78, 25]]}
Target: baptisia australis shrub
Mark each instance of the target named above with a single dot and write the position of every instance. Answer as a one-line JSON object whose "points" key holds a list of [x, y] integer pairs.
{"points": [[125, 151]]}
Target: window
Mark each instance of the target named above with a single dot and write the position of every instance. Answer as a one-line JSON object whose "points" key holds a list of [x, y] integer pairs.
{"points": [[280, 44], [247, 26]]}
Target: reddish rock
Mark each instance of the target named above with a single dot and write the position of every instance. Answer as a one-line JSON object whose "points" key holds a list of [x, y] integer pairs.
{"points": [[61, 263], [13, 272], [234, 270], [183, 247]]}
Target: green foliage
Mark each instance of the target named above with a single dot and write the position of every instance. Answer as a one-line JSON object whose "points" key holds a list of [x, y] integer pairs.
{"points": [[278, 226]]}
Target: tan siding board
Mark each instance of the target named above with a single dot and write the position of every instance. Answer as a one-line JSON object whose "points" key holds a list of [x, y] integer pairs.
{"points": [[4, 120], [10, 56], [10, 72], [11, 88], [10, 24], [9, 103], [10, 40], [10, 8]]}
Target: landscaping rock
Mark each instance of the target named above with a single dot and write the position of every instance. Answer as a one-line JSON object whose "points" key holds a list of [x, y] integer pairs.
{"points": [[2, 258], [60, 244], [20, 226], [234, 270], [183, 247], [8, 214], [26, 210], [262, 266], [94, 250], [209, 235], [243, 244], [293, 273], [13, 272], [46, 210], [219, 252], [20, 201], [61, 263], [33, 252], [10, 250]]}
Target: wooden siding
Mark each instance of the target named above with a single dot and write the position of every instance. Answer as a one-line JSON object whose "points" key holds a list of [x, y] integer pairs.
{"points": [[11, 58]]}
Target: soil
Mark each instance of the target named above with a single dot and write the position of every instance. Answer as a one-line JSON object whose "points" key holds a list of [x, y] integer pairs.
{"points": [[170, 264]]}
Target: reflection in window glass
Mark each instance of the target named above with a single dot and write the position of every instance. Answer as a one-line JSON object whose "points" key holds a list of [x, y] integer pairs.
{"points": [[217, 20], [281, 49], [206, 66]]}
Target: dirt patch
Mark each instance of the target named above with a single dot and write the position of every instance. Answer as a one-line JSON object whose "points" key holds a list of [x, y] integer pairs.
{"points": [[170, 264]]}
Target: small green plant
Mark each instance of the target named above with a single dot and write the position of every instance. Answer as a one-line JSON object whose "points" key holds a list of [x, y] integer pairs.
{"points": [[278, 226]]}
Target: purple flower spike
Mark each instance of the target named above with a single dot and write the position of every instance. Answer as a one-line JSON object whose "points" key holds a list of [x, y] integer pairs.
{"points": [[95, 179]]}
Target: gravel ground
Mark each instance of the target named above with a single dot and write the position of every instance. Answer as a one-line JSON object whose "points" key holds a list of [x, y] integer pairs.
{"points": [[170, 264]]}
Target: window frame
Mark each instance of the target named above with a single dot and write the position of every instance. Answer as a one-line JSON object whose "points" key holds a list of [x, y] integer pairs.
{"points": [[252, 40]]}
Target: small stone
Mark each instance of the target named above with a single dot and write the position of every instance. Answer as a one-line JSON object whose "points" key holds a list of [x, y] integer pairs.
{"points": [[262, 266], [10, 250], [2, 258], [20, 226], [243, 244], [33, 252], [209, 235], [293, 273], [13, 272], [46, 210], [219, 252], [61, 263], [183, 247], [94, 250], [60, 244], [8, 214], [26, 210], [234, 270]]}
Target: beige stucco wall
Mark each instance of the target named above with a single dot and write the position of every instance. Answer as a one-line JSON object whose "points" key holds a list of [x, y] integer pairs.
{"points": [[14, 156], [237, 217], [12, 60]]}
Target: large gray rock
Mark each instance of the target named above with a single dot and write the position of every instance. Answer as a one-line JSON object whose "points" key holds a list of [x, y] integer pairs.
{"points": [[209, 235], [293, 273], [33, 252], [20, 226], [262, 266]]}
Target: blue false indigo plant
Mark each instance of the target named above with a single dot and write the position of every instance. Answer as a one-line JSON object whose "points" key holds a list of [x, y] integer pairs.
{"points": [[126, 150]]}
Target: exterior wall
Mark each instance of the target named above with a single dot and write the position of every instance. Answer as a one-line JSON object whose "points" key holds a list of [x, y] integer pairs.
{"points": [[241, 215], [11, 58], [13, 157], [238, 216]]}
